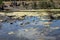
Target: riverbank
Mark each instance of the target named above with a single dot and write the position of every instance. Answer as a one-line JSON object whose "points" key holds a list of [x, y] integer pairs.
{"points": [[32, 13]]}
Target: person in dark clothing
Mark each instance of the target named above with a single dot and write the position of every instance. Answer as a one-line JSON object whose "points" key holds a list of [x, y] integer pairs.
{"points": [[34, 5], [26, 5], [11, 5], [1, 8], [23, 4], [51, 17]]}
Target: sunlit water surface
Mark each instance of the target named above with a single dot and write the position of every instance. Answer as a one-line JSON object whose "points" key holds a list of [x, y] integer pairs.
{"points": [[31, 28]]}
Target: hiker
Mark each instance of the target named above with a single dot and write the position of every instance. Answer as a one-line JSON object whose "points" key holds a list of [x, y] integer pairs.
{"points": [[51, 17], [1, 7], [34, 6]]}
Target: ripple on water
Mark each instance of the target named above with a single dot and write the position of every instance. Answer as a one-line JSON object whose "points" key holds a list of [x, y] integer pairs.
{"points": [[30, 28]]}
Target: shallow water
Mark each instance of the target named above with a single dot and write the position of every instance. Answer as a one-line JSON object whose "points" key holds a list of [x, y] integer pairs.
{"points": [[31, 28]]}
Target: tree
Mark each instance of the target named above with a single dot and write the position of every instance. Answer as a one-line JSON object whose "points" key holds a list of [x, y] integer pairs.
{"points": [[47, 4], [1, 1]]}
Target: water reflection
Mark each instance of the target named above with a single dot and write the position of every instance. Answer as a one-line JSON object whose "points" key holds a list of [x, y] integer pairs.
{"points": [[31, 28]]}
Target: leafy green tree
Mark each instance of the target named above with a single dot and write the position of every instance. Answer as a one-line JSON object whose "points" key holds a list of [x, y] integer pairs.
{"points": [[1, 1]]}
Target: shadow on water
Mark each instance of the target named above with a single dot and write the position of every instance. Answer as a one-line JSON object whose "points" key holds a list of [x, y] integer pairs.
{"points": [[30, 28]]}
